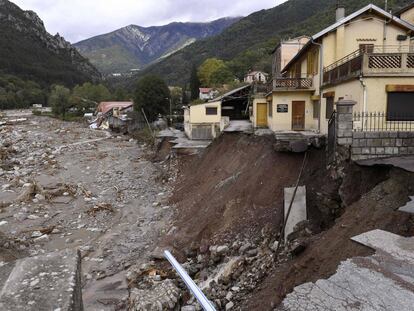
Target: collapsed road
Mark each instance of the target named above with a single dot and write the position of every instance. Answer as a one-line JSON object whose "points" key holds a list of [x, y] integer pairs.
{"points": [[64, 186]]}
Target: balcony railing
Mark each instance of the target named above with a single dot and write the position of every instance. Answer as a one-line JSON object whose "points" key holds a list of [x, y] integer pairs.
{"points": [[376, 60], [292, 84]]}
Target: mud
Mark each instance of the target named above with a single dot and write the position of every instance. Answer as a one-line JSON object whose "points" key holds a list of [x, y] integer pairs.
{"points": [[88, 191]]}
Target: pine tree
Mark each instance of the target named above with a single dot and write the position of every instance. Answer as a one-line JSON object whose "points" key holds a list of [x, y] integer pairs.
{"points": [[194, 84]]}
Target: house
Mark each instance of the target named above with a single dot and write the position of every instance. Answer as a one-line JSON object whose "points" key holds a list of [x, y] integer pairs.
{"points": [[256, 77], [367, 57], [207, 120], [207, 93], [107, 107], [285, 51]]}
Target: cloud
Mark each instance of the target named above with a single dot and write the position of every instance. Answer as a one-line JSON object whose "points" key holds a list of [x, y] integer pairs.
{"points": [[80, 19]]}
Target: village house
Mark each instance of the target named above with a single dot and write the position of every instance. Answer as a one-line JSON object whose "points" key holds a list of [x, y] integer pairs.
{"points": [[208, 120], [367, 57], [256, 77], [207, 93]]}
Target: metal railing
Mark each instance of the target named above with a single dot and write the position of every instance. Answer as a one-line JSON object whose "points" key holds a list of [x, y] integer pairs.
{"points": [[371, 59], [382, 122], [292, 83]]}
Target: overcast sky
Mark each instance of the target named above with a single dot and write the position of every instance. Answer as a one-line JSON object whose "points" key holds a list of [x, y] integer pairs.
{"points": [[80, 19]]}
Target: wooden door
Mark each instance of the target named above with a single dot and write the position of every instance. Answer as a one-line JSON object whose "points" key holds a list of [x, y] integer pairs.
{"points": [[261, 115], [298, 115]]}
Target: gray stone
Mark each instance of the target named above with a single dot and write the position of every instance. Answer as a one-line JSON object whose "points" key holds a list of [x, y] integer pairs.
{"points": [[229, 306], [298, 211], [49, 282]]}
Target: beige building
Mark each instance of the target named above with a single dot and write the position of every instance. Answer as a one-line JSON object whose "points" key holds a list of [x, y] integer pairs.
{"points": [[207, 120], [367, 56], [256, 77]]}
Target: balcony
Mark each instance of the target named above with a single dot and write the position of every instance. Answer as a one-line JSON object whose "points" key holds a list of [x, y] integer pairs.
{"points": [[376, 61], [291, 84]]}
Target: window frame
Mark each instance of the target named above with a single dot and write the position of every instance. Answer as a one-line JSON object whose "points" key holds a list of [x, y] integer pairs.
{"points": [[211, 114]]}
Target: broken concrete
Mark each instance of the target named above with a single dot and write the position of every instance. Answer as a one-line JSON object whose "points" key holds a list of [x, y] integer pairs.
{"points": [[298, 211], [48, 282], [409, 207], [384, 281]]}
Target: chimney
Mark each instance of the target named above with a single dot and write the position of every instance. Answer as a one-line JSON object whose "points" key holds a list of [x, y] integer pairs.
{"points": [[340, 11]]}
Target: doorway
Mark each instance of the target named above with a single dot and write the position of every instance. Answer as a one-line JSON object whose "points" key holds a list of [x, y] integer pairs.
{"points": [[261, 115], [298, 115]]}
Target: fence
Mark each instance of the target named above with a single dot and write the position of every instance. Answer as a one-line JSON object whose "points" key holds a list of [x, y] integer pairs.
{"points": [[382, 122]]}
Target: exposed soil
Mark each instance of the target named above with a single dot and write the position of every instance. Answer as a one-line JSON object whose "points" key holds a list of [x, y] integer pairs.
{"points": [[235, 191], [375, 210]]}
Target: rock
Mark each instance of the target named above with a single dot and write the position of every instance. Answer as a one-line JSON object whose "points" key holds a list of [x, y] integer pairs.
{"points": [[33, 217], [222, 249], [6, 187], [3, 222], [246, 246], [44, 237], [229, 296], [274, 246], [36, 234], [229, 306], [252, 252], [188, 308]]}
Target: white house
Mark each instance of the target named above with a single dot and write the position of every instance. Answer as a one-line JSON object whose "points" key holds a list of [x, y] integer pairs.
{"points": [[256, 76]]}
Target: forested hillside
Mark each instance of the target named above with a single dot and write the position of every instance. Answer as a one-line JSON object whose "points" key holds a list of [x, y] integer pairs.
{"points": [[135, 47], [28, 51], [248, 43]]}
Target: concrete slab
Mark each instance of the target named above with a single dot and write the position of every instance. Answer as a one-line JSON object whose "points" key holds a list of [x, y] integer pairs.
{"points": [[298, 212], [399, 247], [382, 282], [406, 163], [409, 207], [239, 126], [44, 283]]}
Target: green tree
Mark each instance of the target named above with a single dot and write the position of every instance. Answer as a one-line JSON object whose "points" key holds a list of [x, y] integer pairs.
{"points": [[184, 97], [152, 95], [59, 100], [121, 95], [215, 72], [93, 92], [194, 84]]}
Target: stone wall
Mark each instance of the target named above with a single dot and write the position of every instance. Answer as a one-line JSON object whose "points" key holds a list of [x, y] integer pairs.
{"points": [[369, 145]]}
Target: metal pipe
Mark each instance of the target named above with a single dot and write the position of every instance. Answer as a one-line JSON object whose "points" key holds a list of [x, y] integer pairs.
{"points": [[195, 290]]}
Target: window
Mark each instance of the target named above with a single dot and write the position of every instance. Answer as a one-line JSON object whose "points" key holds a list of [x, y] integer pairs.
{"points": [[316, 109], [270, 108], [400, 106], [211, 111], [312, 63], [329, 107]]}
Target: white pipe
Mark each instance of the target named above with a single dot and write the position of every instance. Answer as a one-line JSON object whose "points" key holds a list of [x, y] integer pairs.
{"points": [[198, 294]]}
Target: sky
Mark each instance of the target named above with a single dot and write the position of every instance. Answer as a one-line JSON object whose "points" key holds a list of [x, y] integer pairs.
{"points": [[81, 19]]}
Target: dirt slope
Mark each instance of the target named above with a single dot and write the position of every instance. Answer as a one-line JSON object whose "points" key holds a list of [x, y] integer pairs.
{"points": [[375, 210]]}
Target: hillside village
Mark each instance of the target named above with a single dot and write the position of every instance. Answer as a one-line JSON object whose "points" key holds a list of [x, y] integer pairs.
{"points": [[283, 185]]}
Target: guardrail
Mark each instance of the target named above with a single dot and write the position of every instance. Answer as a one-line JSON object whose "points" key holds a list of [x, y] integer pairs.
{"points": [[382, 122], [195, 290]]}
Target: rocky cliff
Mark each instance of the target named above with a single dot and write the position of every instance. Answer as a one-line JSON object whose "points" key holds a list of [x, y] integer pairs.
{"points": [[27, 49]]}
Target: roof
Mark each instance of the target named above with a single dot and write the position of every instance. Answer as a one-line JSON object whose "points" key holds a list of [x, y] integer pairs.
{"points": [[205, 90], [404, 9], [230, 93], [252, 73], [368, 8], [104, 107]]}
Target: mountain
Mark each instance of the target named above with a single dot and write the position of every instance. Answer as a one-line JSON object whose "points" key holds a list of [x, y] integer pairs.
{"points": [[28, 51], [248, 43], [134, 47]]}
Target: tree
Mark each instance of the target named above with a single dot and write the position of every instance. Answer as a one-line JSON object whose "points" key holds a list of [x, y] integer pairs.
{"points": [[59, 100], [194, 84], [92, 92], [152, 95], [215, 72], [184, 97], [121, 95]]}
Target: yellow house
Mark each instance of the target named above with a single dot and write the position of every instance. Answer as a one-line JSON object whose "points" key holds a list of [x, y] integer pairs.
{"points": [[367, 56], [207, 120]]}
